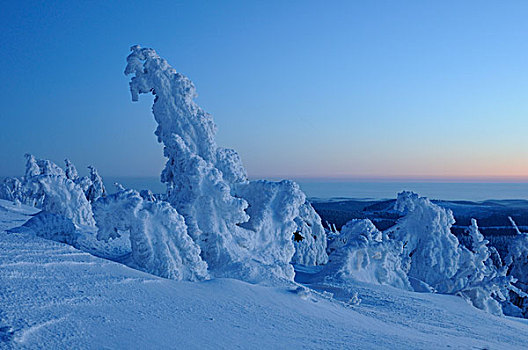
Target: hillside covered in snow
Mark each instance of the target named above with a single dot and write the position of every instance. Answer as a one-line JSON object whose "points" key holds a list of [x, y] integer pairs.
{"points": [[55, 296]]}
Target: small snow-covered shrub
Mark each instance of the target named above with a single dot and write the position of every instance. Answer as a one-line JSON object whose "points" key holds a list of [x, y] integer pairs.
{"points": [[273, 206], [158, 235], [361, 252]]}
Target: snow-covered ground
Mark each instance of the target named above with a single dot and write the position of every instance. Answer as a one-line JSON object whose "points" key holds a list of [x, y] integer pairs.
{"points": [[53, 296]]}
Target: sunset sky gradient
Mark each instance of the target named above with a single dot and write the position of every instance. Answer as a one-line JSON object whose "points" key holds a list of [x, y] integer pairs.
{"points": [[301, 89]]}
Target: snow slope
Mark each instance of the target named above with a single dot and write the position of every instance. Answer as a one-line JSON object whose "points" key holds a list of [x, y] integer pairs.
{"points": [[54, 296]]}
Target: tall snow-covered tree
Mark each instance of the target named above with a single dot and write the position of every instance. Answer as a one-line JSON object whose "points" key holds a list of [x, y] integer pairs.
{"points": [[436, 257], [208, 185]]}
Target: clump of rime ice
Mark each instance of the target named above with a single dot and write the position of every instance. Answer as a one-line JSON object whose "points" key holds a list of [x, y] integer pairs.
{"points": [[361, 252], [47, 186], [273, 206], [309, 238], [158, 235], [244, 229]]}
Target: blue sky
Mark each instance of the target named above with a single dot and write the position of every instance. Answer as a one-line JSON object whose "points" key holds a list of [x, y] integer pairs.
{"points": [[351, 89]]}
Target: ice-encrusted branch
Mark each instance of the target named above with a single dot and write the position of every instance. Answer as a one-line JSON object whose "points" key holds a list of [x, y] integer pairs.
{"points": [[515, 227]]}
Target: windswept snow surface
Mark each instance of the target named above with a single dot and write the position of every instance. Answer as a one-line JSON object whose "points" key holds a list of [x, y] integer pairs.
{"points": [[56, 297]]}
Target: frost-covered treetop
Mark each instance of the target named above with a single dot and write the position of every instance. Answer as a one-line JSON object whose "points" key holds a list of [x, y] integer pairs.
{"points": [[36, 167], [477, 239], [174, 109], [358, 230], [407, 201]]}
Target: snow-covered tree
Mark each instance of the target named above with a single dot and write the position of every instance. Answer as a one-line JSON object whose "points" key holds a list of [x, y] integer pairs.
{"points": [[96, 189], [424, 230], [195, 187], [517, 259], [45, 185], [436, 258], [71, 170], [478, 279], [208, 185], [517, 264], [474, 263], [11, 189]]}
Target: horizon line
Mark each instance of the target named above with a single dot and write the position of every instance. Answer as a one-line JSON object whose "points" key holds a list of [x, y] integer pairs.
{"points": [[362, 178], [400, 178]]}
